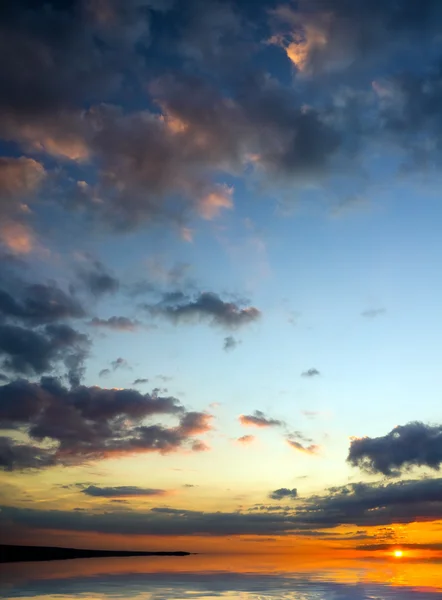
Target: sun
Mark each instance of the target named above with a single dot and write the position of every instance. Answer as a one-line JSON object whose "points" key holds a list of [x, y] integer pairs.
{"points": [[398, 553]]}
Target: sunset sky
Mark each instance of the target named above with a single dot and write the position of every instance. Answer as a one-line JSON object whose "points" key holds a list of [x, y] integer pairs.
{"points": [[220, 275]]}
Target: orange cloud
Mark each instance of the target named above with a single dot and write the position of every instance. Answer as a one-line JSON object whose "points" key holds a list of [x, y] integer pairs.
{"points": [[312, 449], [17, 237], [20, 176], [246, 439], [219, 198]]}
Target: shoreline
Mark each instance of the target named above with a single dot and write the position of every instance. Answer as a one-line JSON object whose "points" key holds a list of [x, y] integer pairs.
{"points": [[10, 553]]}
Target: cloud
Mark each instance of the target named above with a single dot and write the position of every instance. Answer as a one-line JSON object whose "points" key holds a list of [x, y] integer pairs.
{"points": [[230, 343], [178, 307], [334, 35], [246, 439], [116, 324], [137, 167], [310, 373], [17, 237], [15, 456], [20, 178], [372, 313], [38, 304], [296, 445], [122, 491], [358, 504], [166, 164], [29, 352], [283, 493], [215, 200], [412, 445], [259, 419], [96, 279], [120, 363], [377, 504], [90, 423], [140, 381]]}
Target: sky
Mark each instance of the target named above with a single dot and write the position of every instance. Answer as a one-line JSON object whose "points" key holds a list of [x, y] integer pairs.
{"points": [[220, 275]]}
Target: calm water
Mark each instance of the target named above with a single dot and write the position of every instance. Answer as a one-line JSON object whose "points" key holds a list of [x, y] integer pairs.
{"points": [[209, 577]]}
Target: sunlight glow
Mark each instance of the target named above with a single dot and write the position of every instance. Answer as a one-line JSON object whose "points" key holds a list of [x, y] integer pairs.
{"points": [[398, 553]]}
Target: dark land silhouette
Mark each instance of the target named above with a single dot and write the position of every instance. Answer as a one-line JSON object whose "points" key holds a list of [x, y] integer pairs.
{"points": [[13, 553]]}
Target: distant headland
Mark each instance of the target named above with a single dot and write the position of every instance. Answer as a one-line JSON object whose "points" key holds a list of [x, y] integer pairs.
{"points": [[13, 553]]}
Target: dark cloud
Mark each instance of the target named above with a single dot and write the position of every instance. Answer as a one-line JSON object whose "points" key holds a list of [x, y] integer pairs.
{"points": [[376, 504], [15, 456], [29, 352], [104, 373], [156, 164], [122, 491], [259, 419], [33, 337], [178, 307], [411, 445], [212, 116], [377, 547], [37, 304], [358, 504], [283, 493], [337, 35], [89, 423], [67, 53], [116, 323], [230, 343], [140, 381], [372, 313], [310, 373], [120, 363], [96, 279], [158, 521]]}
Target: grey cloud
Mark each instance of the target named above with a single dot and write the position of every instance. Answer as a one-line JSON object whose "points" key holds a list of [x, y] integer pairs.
{"points": [[15, 456], [259, 419], [358, 504], [177, 307], [122, 491], [87, 423], [38, 304], [310, 373], [355, 33], [415, 444], [372, 313], [160, 521], [157, 165], [68, 54], [116, 323], [140, 381], [120, 363], [282, 493], [96, 279], [104, 373], [29, 352], [230, 343], [376, 504]]}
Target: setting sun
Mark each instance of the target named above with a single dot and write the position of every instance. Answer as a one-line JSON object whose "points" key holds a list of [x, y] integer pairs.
{"points": [[398, 553]]}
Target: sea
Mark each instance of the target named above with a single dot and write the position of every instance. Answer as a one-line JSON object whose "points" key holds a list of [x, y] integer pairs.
{"points": [[206, 577]]}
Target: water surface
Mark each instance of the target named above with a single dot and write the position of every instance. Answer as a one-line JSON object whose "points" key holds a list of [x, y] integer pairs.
{"points": [[212, 576]]}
